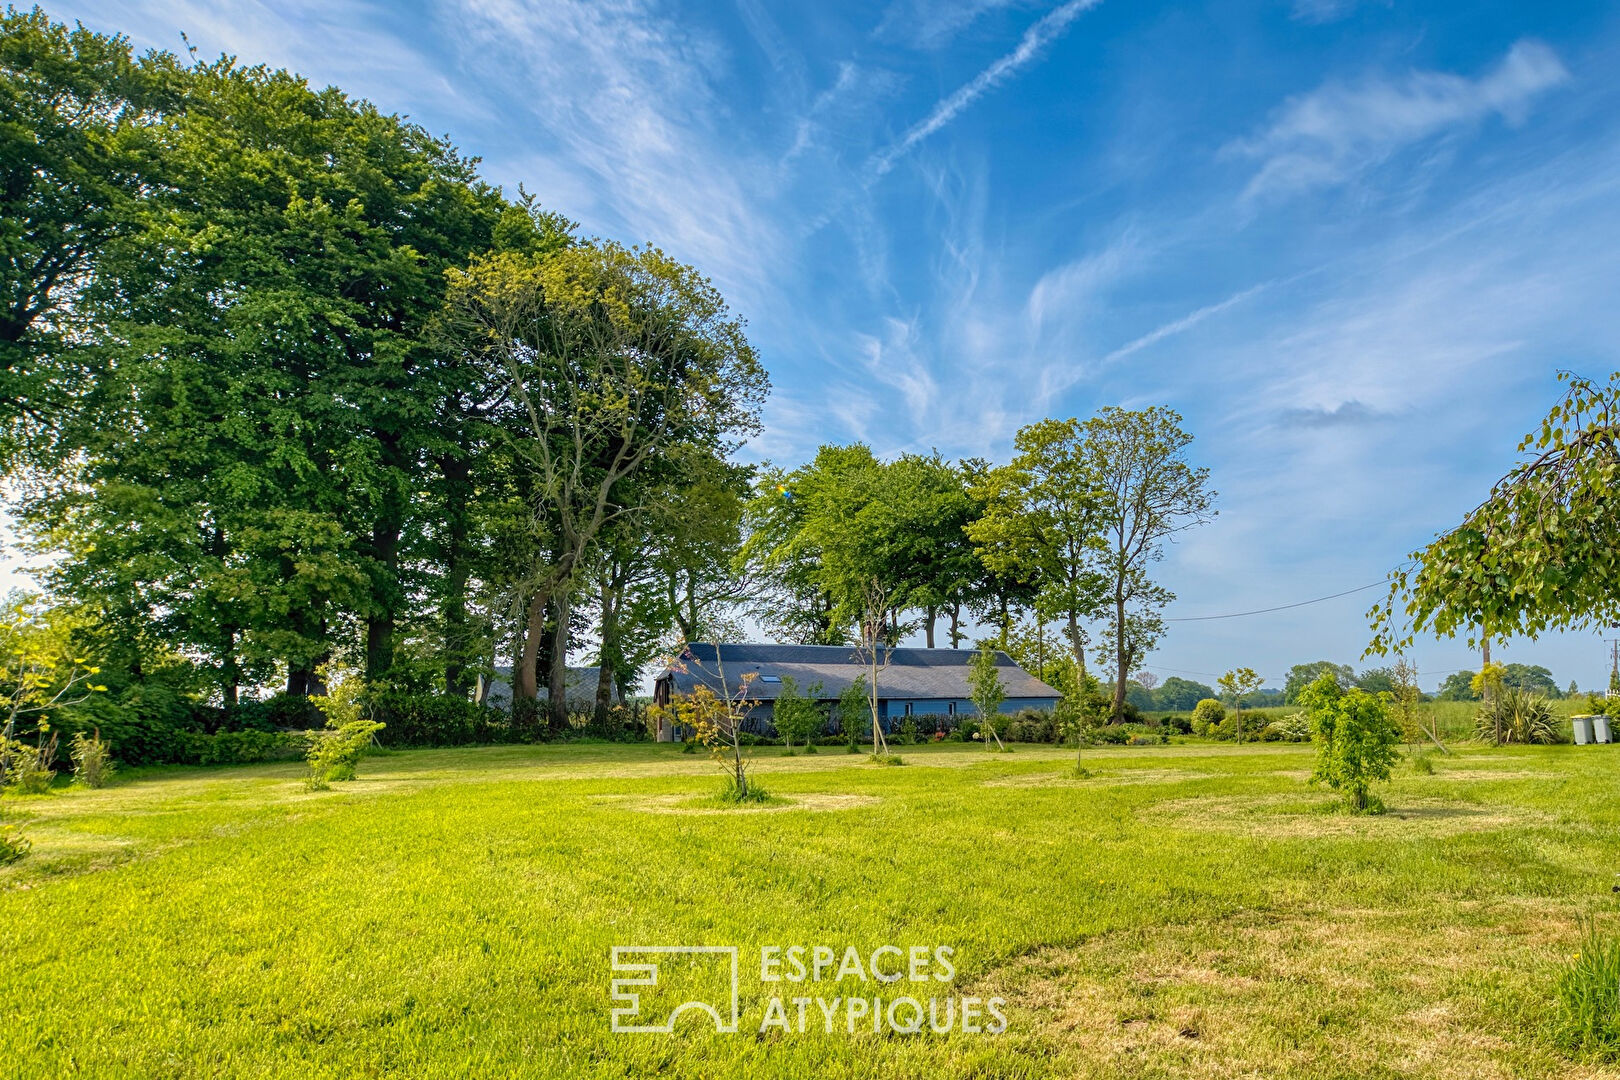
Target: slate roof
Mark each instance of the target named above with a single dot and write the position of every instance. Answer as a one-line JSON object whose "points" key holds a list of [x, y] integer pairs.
{"points": [[912, 674], [581, 686]]}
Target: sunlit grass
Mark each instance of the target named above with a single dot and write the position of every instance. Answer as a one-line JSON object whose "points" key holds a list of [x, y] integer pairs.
{"points": [[1182, 911]]}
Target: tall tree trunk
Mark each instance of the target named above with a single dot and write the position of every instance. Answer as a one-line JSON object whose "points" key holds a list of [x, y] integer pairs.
{"points": [[1122, 654], [1078, 644], [526, 677], [385, 587], [928, 624], [956, 624], [230, 672], [457, 570], [610, 645], [557, 682]]}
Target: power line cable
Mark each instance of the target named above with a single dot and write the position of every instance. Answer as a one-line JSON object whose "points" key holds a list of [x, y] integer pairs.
{"points": [[1280, 607]]}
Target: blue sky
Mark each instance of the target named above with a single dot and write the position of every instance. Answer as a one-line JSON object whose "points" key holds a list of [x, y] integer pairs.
{"points": [[1351, 242]]}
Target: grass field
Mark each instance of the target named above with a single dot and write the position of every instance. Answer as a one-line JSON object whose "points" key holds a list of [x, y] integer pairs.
{"points": [[1188, 911]]}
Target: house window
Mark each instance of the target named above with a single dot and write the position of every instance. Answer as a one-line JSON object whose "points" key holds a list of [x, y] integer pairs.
{"points": [[950, 708], [908, 708]]}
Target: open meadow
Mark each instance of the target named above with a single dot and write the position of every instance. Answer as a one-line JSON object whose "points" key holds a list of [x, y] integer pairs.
{"points": [[1186, 911]]}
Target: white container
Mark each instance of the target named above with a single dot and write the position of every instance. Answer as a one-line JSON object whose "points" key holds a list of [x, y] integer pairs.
{"points": [[1600, 729], [1583, 729]]}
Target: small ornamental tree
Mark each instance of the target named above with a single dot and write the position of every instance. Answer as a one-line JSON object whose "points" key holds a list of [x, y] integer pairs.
{"points": [[1237, 685], [1355, 740], [717, 721], [798, 717], [984, 683], [334, 753], [853, 714], [1081, 708]]}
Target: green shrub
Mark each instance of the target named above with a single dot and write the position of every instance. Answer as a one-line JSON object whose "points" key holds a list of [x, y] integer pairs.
{"points": [[1295, 727], [92, 760], [432, 719], [1178, 725], [334, 752], [31, 772], [754, 793], [886, 759], [13, 844], [1207, 714], [238, 747], [1422, 762], [1588, 996], [1355, 739], [1517, 716], [1129, 735], [1032, 726]]}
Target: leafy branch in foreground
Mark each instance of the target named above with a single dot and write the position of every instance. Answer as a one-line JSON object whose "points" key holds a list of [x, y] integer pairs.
{"points": [[1539, 553]]}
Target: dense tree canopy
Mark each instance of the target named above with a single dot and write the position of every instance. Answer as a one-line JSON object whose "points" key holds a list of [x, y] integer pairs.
{"points": [[295, 386]]}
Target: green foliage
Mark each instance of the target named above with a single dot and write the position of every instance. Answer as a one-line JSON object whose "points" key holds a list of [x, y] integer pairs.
{"points": [[1355, 739], [731, 793], [31, 772], [1422, 762], [1532, 678], [798, 717], [13, 844], [1043, 524], [1301, 676], [909, 731], [1208, 714], [334, 753], [1176, 694], [74, 150], [854, 712], [1538, 553], [1587, 1019], [1377, 680], [239, 747], [1295, 727], [1147, 491], [984, 681], [1513, 715], [1458, 686], [92, 760]]}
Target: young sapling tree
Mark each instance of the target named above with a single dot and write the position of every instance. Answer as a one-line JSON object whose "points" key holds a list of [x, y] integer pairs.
{"points": [[984, 683], [1355, 740]]}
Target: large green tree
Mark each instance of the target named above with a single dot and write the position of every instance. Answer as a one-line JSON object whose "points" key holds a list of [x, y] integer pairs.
{"points": [[267, 335], [1147, 493], [77, 154], [1043, 523], [609, 359]]}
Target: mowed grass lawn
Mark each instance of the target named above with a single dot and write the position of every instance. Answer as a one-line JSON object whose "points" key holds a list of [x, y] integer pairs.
{"points": [[1188, 911]]}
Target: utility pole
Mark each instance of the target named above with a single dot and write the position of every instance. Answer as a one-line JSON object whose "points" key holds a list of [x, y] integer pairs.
{"points": [[1614, 667]]}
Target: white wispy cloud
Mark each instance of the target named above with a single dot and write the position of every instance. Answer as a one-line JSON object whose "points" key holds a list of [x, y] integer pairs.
{"points": [[1183, 324], [1035, 39], [1339, 130], [929, 24], [1325, 11]]}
